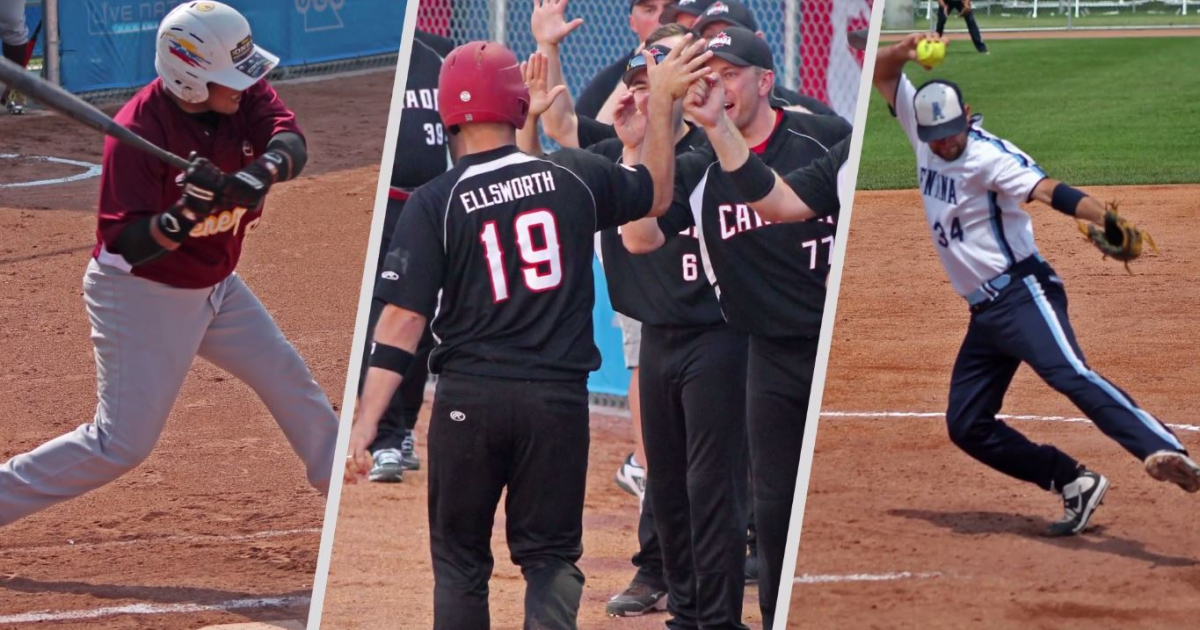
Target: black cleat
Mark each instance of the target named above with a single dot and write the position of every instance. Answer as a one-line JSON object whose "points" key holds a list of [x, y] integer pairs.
{"points": [[639, 599]]}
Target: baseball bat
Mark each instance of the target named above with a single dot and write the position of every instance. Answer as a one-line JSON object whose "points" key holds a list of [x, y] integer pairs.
{"points": [[75, 108]]}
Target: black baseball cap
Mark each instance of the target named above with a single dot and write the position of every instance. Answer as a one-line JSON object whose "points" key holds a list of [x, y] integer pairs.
{"points": [[690, 7], [637, 63], [634, 3], [741, 47], [730, 12]]}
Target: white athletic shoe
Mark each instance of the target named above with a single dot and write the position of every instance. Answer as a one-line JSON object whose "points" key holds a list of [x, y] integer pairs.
{"points": [[632, 478], [389, 467], [1080, 500], [1175, 467], [15, 103]]}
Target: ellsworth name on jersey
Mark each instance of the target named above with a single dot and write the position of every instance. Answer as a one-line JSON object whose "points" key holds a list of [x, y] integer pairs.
{"points": [[516, 188]]}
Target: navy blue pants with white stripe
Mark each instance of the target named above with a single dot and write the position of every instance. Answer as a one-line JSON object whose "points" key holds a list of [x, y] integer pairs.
{"points": [[1028, 323]]}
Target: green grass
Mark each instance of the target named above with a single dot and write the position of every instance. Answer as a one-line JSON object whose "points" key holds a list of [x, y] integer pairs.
{"points": [[1090, 111], [1059, 20]]}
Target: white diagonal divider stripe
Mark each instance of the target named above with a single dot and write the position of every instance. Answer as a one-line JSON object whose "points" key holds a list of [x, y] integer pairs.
{"points": [[155, 609], [937, 414]]}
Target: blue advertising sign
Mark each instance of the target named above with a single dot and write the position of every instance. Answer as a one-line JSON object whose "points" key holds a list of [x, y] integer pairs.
{"points": [[612, 377], [109, 44]]}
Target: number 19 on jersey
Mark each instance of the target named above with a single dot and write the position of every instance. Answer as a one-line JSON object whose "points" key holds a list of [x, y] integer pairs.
{"points": [[542, 268]]}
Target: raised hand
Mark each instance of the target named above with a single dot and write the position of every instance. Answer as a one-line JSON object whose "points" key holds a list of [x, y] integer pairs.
{"points": [[682, 67], [705, 101], [629, 121], [549, 22], [541, 96]]}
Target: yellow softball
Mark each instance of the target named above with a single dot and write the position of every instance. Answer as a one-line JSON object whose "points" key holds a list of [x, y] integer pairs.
{"points": [[930, 53]]}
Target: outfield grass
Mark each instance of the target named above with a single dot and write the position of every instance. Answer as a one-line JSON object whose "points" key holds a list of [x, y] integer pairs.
{"points": [[1090, 111], [1059, 20]]}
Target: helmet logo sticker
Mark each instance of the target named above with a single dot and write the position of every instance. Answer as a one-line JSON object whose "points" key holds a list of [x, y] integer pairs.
{"points": [[465, 96], [243, 49], [185, 51], [205, 7]]}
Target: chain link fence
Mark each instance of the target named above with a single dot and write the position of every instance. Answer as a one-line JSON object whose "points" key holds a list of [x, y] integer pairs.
{"points": [[808, 38]]}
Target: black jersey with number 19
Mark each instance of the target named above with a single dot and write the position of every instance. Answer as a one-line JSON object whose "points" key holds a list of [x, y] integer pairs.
{"points": [[498, 252], [770, 278]]}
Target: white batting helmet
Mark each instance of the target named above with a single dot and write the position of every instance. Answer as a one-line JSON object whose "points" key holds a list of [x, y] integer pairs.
{"points": [[208, 42]]}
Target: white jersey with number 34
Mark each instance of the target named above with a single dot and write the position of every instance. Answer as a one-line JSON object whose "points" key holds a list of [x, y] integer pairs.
{"points": [[973, 204]]}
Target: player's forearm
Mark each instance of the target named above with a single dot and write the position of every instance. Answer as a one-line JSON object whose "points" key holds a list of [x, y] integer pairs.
{"points": [[728, 143], [889, 65], [377, 391], [1083, 207], [398, 328], [560, 121], [1092, 210], [658, 150], [527, 137], [782, 204], [631, 156], [642, 236]]}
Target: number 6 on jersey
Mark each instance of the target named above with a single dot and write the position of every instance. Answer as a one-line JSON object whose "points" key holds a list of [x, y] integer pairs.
{"points": [[543, 265]]}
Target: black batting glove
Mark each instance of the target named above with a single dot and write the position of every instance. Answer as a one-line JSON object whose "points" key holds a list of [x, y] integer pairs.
{"points": [[202, 186], [247, 187]]}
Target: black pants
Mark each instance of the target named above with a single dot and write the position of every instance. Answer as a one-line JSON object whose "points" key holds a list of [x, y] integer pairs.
{"points": [[1028, 323], [692, 386], [648, 559], [405, 406], [969, 18], [531, 438], [779, 380]]}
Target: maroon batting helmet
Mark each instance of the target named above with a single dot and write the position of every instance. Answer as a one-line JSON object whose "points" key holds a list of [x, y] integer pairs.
{"points": [[481, 82]]}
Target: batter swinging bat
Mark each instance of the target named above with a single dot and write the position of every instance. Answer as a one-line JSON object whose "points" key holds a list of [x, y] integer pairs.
{"points": [[77, 109]]}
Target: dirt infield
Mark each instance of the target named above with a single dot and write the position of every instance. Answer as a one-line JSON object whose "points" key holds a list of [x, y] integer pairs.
{"points": [[381, 575], [218, 526], [917, 535]]}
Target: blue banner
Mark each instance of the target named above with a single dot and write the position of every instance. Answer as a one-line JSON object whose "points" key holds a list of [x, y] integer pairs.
{"points": [[612, 377], [33, 17], [109, 44]]}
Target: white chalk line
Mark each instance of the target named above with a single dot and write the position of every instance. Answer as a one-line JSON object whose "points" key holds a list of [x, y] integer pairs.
{"points": [[916, 414], [865, 577], [624, 413], [213, 538], [156, 609], [92, 170]]}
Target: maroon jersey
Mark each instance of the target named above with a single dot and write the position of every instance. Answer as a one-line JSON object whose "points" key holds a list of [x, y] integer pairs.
{"points": [[134, 184]]}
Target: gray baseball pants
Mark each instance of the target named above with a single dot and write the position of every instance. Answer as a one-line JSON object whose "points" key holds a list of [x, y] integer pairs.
{"points": [[146, 335]]}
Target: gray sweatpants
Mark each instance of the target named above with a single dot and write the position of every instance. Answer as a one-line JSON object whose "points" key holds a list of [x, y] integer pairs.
{"points": [[13, 30], [146, 335]]}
